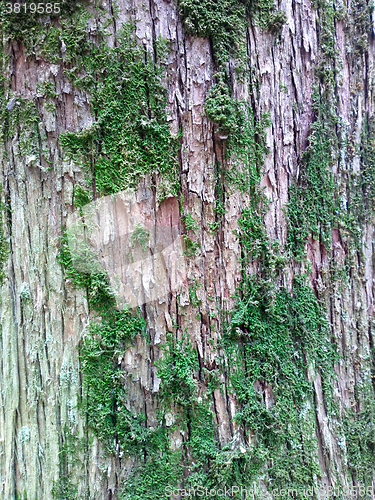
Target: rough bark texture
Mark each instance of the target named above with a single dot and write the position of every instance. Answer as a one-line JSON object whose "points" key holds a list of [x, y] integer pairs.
{"points": [[43, 316]]}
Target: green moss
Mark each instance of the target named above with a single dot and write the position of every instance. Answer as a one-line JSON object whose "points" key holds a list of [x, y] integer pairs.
{"points": [[191, 247], [82, 196], [358, 424], [22, 119], [325, 68], [33, 29], [367, 174], [191, 226], [104, 393], [105, 399], [130, 137], [47, 89], [223, 21], [108, 336], [226, 21], [320, 201], [96, 283], [176, 371], [359, 430], [314, 206], [270, 342], [214, 466], [222, 109], [195, 302], [267, 256], [152, 479], [245, 145], [274, 337], [140, 237], [314, 203], [190, 223], [360, 25]]}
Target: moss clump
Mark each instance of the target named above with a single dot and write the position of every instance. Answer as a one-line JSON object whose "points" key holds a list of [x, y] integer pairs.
{"points": [[176, 371], [360, 25], [273, 337], [188, 389], [214, 466], [245, 141], [130, 137], [314, 206], [225, 22], [104, 394], [222, 109], [325, 68], [63, 489], [82, 196], [157, 476], [140, 237], [107, 338], [21, 117], [33, 29], [359, 430], [96, 283]]}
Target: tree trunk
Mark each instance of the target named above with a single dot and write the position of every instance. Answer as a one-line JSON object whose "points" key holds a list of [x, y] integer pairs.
{"points": [[255, 366]]}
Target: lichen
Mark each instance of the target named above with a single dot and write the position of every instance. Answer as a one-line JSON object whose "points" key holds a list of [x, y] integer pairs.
{"points": [[4, 243]]}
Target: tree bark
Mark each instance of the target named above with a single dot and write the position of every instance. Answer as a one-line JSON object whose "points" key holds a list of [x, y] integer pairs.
{"points": [[43, 316]]}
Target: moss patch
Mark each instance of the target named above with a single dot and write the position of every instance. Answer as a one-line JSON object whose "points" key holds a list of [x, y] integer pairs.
{"points": [[314, 206], [130, 136], [35, 29], [105, 399], [225, 22], [273, 337]]}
